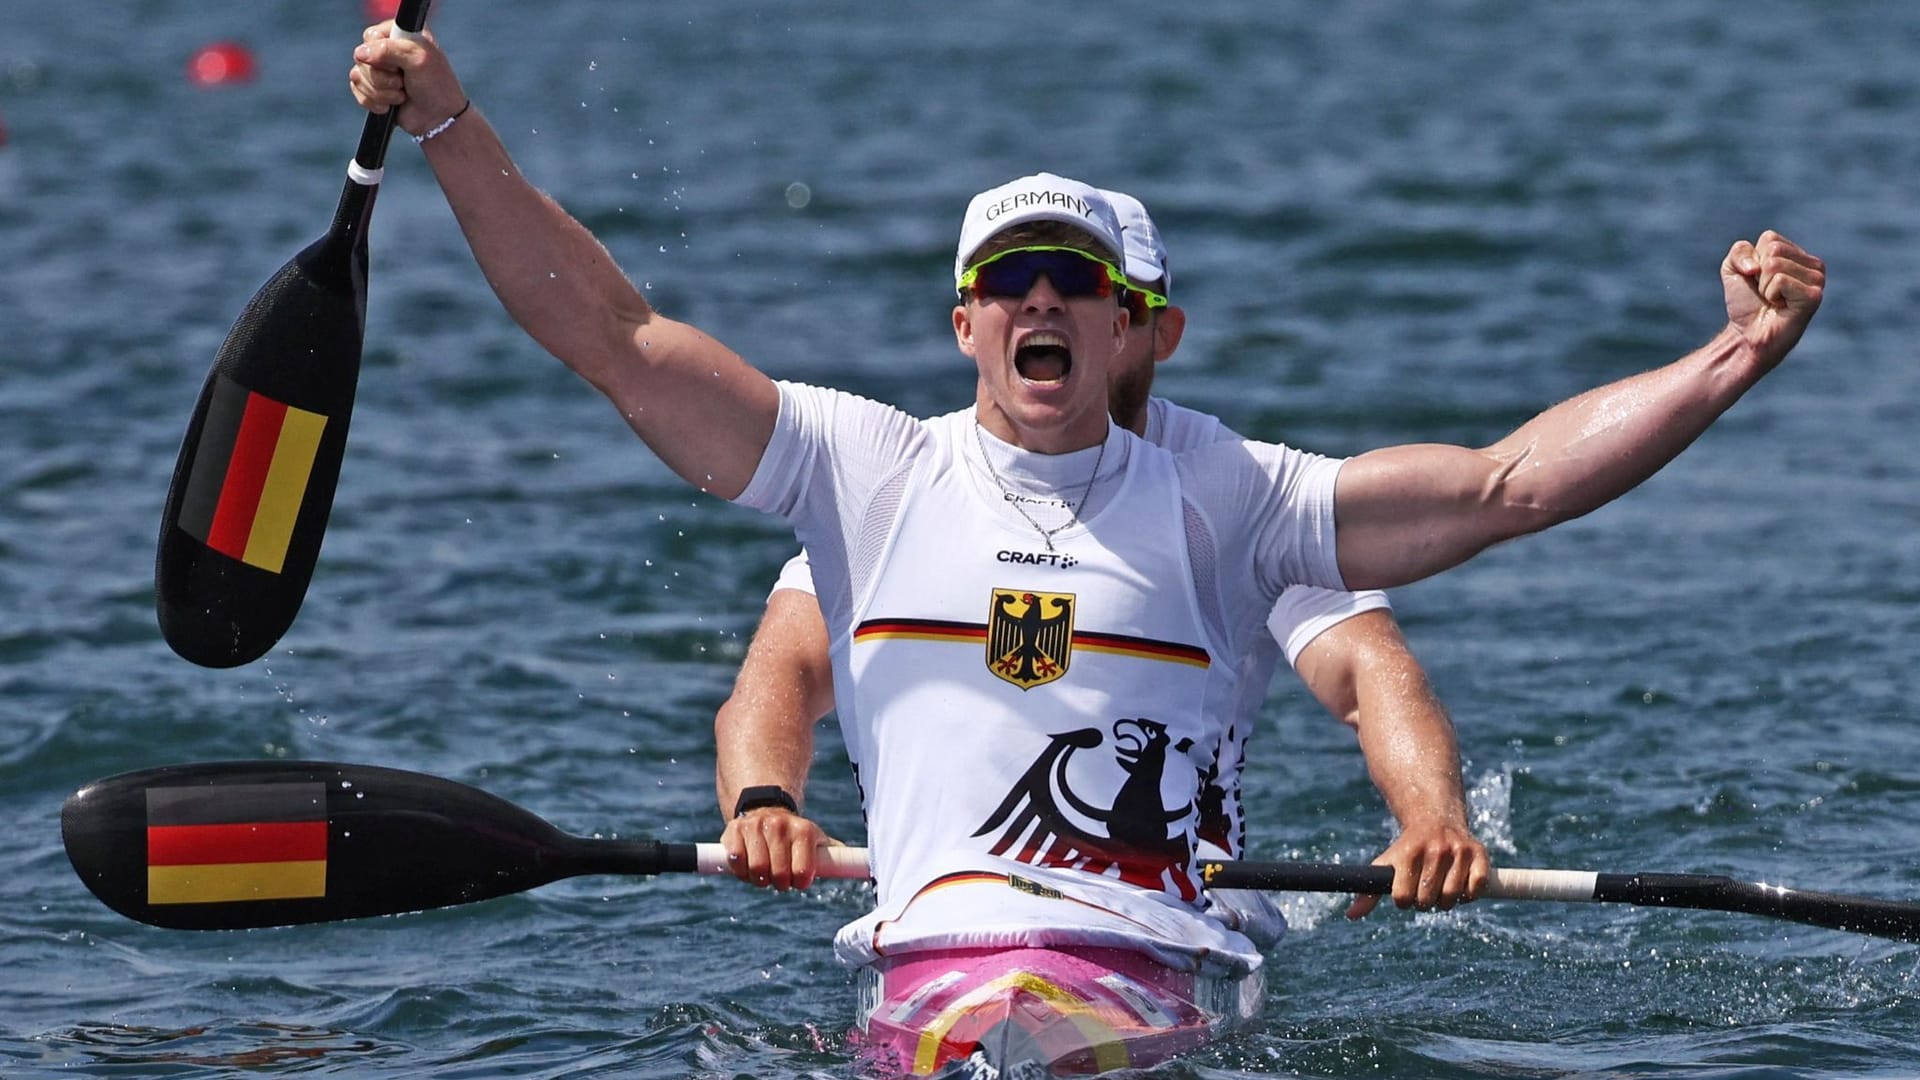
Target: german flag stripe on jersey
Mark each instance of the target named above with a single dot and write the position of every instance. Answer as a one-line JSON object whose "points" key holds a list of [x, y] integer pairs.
{"points": [[975, 633], [920, 630], [249, 476], [210, 845], [1122, 645]]}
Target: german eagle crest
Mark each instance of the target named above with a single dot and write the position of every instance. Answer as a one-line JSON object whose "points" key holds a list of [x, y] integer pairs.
{"points": [[1029, 636]]}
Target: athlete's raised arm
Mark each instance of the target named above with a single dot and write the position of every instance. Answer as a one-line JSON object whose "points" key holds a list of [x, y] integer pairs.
{"points": [[699, 406], [1406, 512]]}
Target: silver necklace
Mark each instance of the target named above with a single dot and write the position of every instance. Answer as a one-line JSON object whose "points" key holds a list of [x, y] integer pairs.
{"points": [[1013, 500]]}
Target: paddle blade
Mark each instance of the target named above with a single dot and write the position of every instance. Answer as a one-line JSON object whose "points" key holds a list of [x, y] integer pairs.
{"points": [[255, 479], [238, 844]]}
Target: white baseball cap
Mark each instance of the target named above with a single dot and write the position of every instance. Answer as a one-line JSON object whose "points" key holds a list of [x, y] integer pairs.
{"points": [[1040, 197], [1146, 252]]}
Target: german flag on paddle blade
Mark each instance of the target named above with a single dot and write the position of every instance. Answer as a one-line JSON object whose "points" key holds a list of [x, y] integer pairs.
{"points": [[250, 473], [209, 845]]}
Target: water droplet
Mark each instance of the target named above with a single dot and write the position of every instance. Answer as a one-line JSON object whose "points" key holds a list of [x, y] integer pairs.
{"points": [[798, 195]]}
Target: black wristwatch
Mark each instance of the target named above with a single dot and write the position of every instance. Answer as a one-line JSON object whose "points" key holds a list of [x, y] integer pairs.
{"points": [[753, 798]]}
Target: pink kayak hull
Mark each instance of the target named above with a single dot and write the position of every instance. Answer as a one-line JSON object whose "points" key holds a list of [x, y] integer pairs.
{"points": [[1071, 1013]]}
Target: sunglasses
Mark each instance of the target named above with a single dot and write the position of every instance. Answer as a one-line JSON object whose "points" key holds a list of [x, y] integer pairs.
{"points": [[1139, 302], [1073, 272]]}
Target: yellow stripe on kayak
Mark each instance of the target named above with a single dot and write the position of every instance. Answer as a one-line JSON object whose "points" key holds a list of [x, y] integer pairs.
{"points": [[1109, 1051]]}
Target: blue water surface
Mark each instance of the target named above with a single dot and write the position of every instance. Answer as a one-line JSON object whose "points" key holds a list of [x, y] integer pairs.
{"points": [[1388, 223]]}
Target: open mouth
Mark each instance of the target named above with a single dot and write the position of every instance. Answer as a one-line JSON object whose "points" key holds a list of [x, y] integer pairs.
{"points": [[1043, 358]]}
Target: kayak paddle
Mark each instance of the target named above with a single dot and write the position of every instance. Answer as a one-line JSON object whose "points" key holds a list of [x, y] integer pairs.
{"points": [[236, 844], [227, 845], [253, 485]]}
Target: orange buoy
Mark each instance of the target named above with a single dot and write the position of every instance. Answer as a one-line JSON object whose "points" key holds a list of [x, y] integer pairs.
{"points": [[222, 63]]}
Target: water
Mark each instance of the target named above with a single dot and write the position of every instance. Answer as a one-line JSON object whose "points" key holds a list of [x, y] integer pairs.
{"points": [[1387, 225]]}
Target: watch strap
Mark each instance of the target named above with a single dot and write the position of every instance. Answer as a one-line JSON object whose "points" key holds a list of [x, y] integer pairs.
{"points": [[762, 795]]}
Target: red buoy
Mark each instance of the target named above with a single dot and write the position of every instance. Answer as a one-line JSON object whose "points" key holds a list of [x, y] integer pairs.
{"points": [[381, 10], [221, 64]]}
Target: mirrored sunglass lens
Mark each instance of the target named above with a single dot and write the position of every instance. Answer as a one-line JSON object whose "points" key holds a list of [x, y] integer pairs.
{"points": [[1140, 303], [1071, 275]]}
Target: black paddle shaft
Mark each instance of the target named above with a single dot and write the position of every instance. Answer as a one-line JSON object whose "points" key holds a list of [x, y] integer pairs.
{"points": [[1899, 920], [1711, 892], [254, 483]]}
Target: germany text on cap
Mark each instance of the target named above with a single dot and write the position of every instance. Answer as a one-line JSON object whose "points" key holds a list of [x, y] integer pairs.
{"points": [[1041, 197]]}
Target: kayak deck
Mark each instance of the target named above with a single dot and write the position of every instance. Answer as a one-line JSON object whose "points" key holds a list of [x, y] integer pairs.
{"points": [[1040, 1012]]}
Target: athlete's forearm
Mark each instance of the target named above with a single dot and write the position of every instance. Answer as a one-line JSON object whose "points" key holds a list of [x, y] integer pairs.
{"points": [[1588, 450], [749, 751], [556, 280], [1366, 675], [1413, 758], [763, 734]]}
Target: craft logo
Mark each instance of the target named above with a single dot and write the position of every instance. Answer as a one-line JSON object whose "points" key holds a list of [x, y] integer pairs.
{"points": [[1037, 558], [1029, 636]]}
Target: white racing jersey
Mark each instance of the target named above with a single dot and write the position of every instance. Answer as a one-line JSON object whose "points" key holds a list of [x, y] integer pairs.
{"points": [[1301, 614], [1034, 728]]}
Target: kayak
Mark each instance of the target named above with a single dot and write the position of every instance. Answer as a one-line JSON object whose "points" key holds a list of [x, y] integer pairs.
{"points": [[989, 1013]]}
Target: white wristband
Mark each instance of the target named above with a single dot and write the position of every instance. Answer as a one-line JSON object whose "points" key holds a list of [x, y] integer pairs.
{"points": [[441, 127]]}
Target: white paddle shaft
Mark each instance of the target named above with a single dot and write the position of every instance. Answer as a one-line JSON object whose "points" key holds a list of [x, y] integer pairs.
{"points": [[830, 861], [1577, 886]]}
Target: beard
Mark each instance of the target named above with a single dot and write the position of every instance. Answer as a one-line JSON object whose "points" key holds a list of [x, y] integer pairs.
{"points": [[1127, 397]]}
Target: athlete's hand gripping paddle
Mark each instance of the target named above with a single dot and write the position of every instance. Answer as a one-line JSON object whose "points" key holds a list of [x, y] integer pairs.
{"points": [[254, 482]]}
